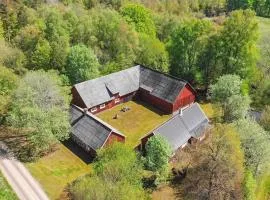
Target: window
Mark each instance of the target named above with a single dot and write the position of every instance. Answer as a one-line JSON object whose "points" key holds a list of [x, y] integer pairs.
{"points": [[116, 100], [93, 109], [102, 106]]}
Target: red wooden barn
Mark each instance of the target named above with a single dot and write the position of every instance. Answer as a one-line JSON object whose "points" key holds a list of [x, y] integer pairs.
{"points": [[165, 92], [90, 132]]}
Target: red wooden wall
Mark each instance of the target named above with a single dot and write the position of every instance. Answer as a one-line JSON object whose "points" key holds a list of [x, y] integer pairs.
{"points": [[155, 101], [112, 103], [113, 138], [76, 98], [185, 97]]}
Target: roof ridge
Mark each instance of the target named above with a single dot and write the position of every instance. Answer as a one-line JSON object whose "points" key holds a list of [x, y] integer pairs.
{"points": [[163, 73], [106, 75]]}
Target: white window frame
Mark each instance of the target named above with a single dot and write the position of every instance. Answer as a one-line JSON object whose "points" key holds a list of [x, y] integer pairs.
{"points": [[93, 109], [102, 106], [117, 100]]}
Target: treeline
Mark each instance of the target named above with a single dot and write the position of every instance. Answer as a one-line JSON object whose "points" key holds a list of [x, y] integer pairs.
{"points": [[111, 37]]}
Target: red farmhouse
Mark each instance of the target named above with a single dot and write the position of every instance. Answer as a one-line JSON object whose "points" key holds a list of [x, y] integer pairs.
{"points": [[165, 92]]}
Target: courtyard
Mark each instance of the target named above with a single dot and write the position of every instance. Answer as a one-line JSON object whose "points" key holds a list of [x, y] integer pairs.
{"points": [[138, 120]]}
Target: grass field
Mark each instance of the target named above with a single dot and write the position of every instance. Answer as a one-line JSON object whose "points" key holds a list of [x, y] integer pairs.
{"points": [[264, 43], [6, 192], [135, 123], [57, 170], [263, 188]]}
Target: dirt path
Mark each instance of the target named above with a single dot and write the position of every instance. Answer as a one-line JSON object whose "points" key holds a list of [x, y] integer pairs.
{"points": [[19, 178]]}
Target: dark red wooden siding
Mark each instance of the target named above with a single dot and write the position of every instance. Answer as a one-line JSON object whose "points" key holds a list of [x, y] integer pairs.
{"points": [[76, 98], [114, 137], [155, 101], [185, 97], [112, 103]]}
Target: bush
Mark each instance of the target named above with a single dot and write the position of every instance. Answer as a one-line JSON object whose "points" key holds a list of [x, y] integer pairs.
{"points": [[158, 152], [117, 175]]}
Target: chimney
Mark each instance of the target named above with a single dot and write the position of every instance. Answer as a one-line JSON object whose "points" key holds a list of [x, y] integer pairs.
{"points": [[181, 112]]}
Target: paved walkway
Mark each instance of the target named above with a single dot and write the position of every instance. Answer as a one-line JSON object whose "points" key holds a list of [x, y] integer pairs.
{"points": [[22, 182]]}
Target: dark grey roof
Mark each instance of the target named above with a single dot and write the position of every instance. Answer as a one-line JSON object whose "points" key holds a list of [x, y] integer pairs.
{"points": [[100, 90], [76, 114], [180, 128], [160, 85], [89, 129]]}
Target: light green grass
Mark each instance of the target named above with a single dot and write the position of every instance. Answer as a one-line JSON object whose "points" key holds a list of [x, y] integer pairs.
{"points": [[57, 170], [263, 187], [264, 43], [136, 122], [212, 111], [6, 193]]}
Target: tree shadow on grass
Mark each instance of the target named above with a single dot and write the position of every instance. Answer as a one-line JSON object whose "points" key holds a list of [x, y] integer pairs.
{"points": [[78, 151]]}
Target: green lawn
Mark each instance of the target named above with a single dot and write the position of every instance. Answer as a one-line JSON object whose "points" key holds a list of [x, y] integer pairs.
{"points": [[135, 123], [6, 192], [57, 170]]}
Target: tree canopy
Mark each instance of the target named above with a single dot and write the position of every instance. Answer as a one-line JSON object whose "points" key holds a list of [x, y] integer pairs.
{"points": [[82, 64], [255, 143], [117, 172], [140, 17], [185, 46], [8, 83], [152, 53], [40, 109], [217, 167], [225, 87]]}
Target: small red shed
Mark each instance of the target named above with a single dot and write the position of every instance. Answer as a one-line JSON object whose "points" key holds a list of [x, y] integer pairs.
{"points": [[90, 132]]}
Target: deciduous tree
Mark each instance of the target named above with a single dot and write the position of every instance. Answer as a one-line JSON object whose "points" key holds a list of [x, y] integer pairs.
{"points": [[117, 175], [152, 53], [158, 152], [140, 17], [113, 40], [82, 64], [236, 107], [185, 46], [8, 83], [41, 57], [233, 50], [40, 108], [265, 118], [225, 87], [217, 169], [255, 143]]}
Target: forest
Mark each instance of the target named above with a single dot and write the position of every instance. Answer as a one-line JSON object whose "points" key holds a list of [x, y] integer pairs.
{"points": [[221, 47]]}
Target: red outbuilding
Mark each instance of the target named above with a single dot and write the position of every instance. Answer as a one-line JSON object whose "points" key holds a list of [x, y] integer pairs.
{"points": [[90, 132]]}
